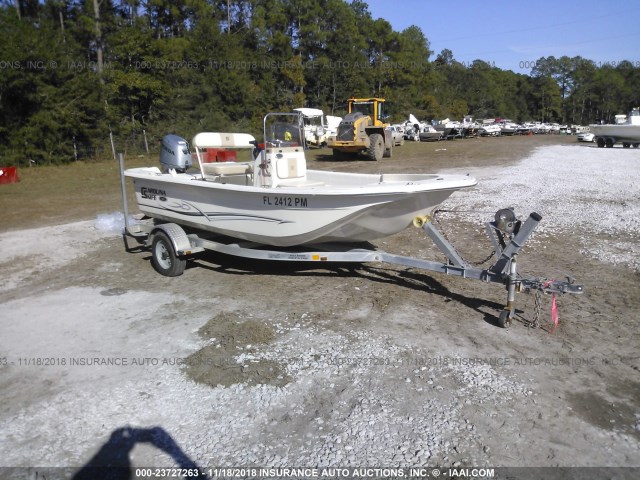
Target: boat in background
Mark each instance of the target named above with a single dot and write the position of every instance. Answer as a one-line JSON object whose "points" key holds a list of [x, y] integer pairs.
{"points": [[507, 127], [430, 134], [625, 130], [489, 128], [413, 127], [469, 127], [318, 127], [450, 129], [273, 199]]}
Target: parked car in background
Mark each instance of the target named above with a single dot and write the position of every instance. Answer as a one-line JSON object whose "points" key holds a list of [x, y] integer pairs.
{"points": [[586, 137], [397, 132]]}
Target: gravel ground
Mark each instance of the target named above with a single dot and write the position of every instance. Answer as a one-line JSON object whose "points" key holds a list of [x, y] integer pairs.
{"points": [[576, 193], [235, 364]]}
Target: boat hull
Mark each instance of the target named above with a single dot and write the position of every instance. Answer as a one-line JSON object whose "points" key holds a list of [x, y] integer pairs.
{"points": [[430, 136], [331, 207], [622, 133]]}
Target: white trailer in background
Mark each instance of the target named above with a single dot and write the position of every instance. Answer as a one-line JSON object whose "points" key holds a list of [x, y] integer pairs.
{"points": [[318, 127], [625, 130]]}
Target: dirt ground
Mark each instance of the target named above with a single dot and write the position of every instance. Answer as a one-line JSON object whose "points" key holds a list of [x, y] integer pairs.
{"points": [[278, 365]]}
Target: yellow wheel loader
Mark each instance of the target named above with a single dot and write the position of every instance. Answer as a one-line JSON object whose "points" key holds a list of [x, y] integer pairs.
{"points": [[363, 130]]}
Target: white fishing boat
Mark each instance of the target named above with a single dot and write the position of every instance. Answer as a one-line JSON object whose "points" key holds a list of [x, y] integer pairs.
{"points": [[469, 127], [273, 199], [489, 128], [540, 128], [413, 128], [507, 127], [430, 134], [449, 128], [625, 130]]}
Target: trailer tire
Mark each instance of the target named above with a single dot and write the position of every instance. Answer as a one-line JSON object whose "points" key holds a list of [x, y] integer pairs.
{"points": [[600, 142], [609, 142], [376, 147], [164, 259]]}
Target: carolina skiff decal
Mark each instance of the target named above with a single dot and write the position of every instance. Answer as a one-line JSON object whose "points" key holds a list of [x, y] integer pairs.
{"points": [[299, 202], [153, 193]]}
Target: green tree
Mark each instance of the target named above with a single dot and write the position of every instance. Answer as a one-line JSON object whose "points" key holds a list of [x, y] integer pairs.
{"points": [[48, 99]]}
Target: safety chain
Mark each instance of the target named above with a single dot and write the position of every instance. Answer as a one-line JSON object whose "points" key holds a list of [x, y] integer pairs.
{"points": [[537, 310], [438, 223], [489, 257]]}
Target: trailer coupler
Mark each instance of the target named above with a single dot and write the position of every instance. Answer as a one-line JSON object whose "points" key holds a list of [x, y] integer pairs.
{"points": [[550, 286]]}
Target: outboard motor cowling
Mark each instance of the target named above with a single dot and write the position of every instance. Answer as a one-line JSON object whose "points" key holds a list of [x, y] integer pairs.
{"points": [[175, 153]]}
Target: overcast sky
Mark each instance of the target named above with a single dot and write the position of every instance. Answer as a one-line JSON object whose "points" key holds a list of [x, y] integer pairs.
{"points": [[513, 34]]}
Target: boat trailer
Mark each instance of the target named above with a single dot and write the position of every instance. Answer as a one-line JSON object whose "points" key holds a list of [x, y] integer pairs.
{"points": [[171, 247]]}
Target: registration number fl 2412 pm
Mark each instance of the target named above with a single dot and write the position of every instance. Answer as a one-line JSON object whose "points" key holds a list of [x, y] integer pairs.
{"points": [[295, 202]]}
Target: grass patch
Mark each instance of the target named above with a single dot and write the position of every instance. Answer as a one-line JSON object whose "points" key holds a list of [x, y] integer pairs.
{"points": [[51, 195]]}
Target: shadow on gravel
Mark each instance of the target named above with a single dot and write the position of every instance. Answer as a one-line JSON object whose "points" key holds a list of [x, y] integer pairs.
{"points": [[415, 280], [424, 282], [619, 416], [112, 462]]}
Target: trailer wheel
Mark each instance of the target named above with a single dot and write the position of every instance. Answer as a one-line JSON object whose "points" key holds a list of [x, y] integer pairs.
{"points": [[504, 320], [636, 145], [609, 142], [600, 142], [164, 258], [626, 145], [376, 147]]}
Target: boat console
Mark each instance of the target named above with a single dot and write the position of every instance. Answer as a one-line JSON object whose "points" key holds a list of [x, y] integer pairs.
{"points": [[282, 166], [281, 161]]}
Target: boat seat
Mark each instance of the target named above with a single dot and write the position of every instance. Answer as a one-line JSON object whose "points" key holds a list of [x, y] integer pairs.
{"points": [[233, 141], [226, 168]]}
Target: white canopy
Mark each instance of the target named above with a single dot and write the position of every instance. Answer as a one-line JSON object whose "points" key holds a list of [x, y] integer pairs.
{"points": [[309, 112]]}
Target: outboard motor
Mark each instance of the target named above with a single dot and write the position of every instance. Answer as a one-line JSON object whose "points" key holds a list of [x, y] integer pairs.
{"points": [[174, 153]]}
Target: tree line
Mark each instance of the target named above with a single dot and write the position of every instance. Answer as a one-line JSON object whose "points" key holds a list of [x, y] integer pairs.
{"points": [[72, 73]]}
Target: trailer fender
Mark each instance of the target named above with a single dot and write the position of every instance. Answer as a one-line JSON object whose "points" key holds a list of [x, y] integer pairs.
{"points": [[179, 239]]}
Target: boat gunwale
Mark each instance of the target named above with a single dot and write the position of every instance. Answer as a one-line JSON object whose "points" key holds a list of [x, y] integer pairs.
{"points": [[444, 182]]}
